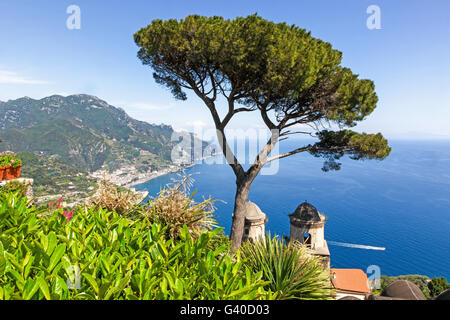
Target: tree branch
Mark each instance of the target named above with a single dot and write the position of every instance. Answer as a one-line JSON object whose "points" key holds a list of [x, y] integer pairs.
{"points": [[266, 118], [229, 155], [230, 115], [261, 158], [287, 154]]}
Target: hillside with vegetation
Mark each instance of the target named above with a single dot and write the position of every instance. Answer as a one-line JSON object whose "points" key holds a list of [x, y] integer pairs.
{"points": [[53, 176], [84, 131]]}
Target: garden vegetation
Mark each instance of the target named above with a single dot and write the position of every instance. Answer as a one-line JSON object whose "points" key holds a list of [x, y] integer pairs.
{"points": [[97, 253]]}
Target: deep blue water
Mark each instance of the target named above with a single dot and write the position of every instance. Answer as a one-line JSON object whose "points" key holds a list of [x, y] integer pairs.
{"points": [[401, 203]]}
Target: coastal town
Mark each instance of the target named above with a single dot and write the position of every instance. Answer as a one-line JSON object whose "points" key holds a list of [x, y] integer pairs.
{"points": [[128, 175]]}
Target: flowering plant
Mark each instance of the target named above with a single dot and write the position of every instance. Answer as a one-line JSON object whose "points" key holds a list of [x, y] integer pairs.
{"points": [[9, 160], [56, 206]]}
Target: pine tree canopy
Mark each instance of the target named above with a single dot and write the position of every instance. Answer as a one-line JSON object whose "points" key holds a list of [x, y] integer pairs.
{"points": [[289, 78]]}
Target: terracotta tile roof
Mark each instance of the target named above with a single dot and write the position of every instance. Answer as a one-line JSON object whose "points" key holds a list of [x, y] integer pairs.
{"points": [[350, 280]]}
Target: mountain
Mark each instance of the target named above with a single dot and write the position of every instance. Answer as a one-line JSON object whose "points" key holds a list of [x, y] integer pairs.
{"points": [[83, 131]]}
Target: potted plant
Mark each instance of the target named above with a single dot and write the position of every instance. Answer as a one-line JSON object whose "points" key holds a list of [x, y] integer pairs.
{"points": [[3, 164], [2, 172], [10, 166]]}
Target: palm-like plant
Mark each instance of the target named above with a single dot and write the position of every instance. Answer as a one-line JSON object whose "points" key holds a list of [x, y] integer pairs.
{"points": [[114, 198], [175, 207], [291, 271]]}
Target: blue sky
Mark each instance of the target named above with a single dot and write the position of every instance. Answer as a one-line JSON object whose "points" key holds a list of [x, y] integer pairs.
{"points": [[408, 58]]}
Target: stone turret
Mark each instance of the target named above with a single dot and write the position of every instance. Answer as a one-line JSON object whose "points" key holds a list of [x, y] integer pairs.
{"points": [[255, 220], [308, 227]]}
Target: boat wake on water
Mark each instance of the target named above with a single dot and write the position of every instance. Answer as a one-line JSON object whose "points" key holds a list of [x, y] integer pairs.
{"points": [[357, 246]]}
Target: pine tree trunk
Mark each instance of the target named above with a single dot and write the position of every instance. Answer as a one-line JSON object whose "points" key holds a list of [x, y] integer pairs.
{"points": [[237, 226]]}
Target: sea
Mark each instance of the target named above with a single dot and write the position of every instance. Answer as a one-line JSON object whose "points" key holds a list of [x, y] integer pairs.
{"points": [[391, 215]]}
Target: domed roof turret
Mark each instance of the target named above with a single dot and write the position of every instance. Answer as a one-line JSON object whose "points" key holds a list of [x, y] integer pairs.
{"points": [[403, 289], [254, 212], [306, 212]]}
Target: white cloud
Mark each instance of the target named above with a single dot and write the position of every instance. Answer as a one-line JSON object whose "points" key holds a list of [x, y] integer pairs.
{"points": [[179, 129], [9, 77], [197, 124]]}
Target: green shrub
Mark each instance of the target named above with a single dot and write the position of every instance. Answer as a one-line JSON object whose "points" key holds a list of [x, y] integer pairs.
{"points": [[100, 254], [437, 286], [290, 271], [14, 186], [221, 239]]}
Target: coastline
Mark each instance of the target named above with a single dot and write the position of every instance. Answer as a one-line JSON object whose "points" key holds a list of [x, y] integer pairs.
{"points": [[163, 172], [171, 169], [128, 176], [153, 175]]}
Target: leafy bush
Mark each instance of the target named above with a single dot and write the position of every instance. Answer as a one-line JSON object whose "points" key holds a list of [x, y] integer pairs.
{"points": [[114, 198], [290, 271], [100, 254], [15, 186], [174, 208], [437, 286]]}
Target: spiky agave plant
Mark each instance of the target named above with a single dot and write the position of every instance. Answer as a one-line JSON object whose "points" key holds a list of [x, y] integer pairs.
{"points": [[115, 198], [175, 207], [291, 271]]}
